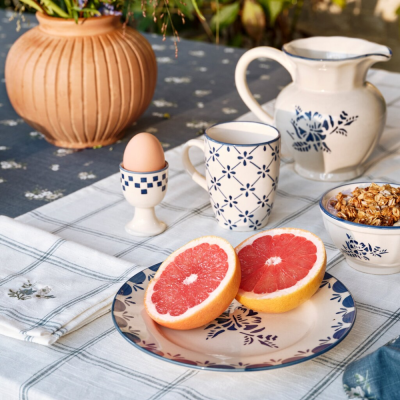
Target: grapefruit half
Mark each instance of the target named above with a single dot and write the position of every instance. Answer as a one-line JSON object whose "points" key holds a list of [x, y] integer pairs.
{"points": [[194, 285], [281, 269]]}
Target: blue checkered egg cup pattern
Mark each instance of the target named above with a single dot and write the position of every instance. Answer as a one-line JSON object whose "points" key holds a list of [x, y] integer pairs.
{"points": [[242, 182], [144, 189]]}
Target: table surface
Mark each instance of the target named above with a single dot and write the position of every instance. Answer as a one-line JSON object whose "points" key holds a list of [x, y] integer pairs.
{"points": [[95, 361], [196, 89]]}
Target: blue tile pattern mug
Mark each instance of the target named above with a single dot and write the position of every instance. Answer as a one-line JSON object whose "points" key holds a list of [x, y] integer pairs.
{"points": [[242, 172]]}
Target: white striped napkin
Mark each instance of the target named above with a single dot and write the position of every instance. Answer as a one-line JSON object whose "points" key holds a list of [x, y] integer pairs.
{"points": [[49, 286]]}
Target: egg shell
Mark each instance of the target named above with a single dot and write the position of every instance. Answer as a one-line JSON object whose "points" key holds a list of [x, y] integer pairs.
{"points": [[144, 153]]}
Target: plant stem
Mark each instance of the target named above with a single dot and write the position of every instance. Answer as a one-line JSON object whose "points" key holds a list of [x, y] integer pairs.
{"points": [[217, 27], [207, 29], [198, 12], [296, 16]]}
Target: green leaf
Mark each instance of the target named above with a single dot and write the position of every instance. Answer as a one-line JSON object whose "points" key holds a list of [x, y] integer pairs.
{"points": [[68, 5], [253, 19], [274, 7], [75, 15], [398, 11], [47, 10], [32, 4], [226, 16], [54, 7]]}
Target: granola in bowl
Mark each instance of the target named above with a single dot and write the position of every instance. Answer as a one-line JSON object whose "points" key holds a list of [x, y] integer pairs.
{"points": [[377, 205], [363, 221]]}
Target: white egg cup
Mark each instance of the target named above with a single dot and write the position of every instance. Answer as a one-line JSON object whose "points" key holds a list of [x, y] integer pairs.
{"points": [[144, 190]]}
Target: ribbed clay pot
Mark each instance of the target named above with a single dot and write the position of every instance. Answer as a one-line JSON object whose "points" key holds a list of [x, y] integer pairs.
{"points": [[80, 84]]}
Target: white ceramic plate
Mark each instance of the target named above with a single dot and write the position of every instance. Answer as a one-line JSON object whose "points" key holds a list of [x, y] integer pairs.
{"points": [[240, 339]]}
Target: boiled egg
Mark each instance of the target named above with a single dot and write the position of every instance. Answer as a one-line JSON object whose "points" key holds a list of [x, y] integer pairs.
{"points": [[144, 153]]}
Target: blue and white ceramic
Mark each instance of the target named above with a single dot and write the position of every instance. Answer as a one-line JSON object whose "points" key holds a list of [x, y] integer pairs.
{"points": [[242, 172], [369, 249], [330, 117], [144, 190], [240, 339]]}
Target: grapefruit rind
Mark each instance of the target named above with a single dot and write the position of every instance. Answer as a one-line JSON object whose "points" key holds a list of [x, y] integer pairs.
{"points": [[214, 305], [286, 299]]}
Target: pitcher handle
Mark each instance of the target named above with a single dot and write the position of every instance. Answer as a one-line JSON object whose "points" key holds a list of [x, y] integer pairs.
{"points": [[196, 176], [241, 83]]}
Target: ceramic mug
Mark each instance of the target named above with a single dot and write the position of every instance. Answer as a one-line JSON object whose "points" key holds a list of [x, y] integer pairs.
{"points": [[242, 170]]}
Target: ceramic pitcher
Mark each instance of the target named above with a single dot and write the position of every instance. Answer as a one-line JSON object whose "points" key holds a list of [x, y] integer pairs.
{"points": [[330, 117]]}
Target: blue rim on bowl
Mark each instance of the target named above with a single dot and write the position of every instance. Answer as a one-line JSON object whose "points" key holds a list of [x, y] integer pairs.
{"points": [[143, 173], [242, 145], [325, 211]]}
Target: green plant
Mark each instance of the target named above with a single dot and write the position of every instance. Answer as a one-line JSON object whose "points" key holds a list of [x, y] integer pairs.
{"points": [[233, 22], [146, 11], [257, 19], [72, 8]]}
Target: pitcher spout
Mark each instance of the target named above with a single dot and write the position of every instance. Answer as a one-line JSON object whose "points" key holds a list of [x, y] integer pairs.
{"points": [[364, 62], [381, 54]]}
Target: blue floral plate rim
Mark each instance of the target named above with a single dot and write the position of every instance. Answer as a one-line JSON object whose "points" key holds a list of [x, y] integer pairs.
{"points": [[225, 368]]}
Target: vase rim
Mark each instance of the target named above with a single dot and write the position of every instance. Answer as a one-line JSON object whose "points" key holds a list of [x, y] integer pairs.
{"points": [[85, 26]]}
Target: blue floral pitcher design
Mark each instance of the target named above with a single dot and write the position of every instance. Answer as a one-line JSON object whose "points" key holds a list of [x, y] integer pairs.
{"points": [[310, 129]]}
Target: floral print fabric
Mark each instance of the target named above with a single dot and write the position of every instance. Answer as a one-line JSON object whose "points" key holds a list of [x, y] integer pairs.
{"points": [[376, 376]]}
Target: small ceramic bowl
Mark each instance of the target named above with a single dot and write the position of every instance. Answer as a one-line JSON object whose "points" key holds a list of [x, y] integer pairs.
{"points": [[369, 249], [144, 190]]}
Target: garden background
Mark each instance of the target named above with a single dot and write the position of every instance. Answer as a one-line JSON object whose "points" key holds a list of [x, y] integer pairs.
{"points": [[250, 23]]}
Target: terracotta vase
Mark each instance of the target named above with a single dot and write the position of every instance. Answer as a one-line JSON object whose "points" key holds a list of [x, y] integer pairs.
{"points": [[80, 84]]}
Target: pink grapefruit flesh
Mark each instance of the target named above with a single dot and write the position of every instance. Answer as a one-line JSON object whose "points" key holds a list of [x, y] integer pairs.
{"points": [[281, 269], [194, 285]]}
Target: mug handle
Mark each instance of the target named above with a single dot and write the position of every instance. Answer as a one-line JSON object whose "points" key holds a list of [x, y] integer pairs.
{"points": [[241, 83], [196, 176]]}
